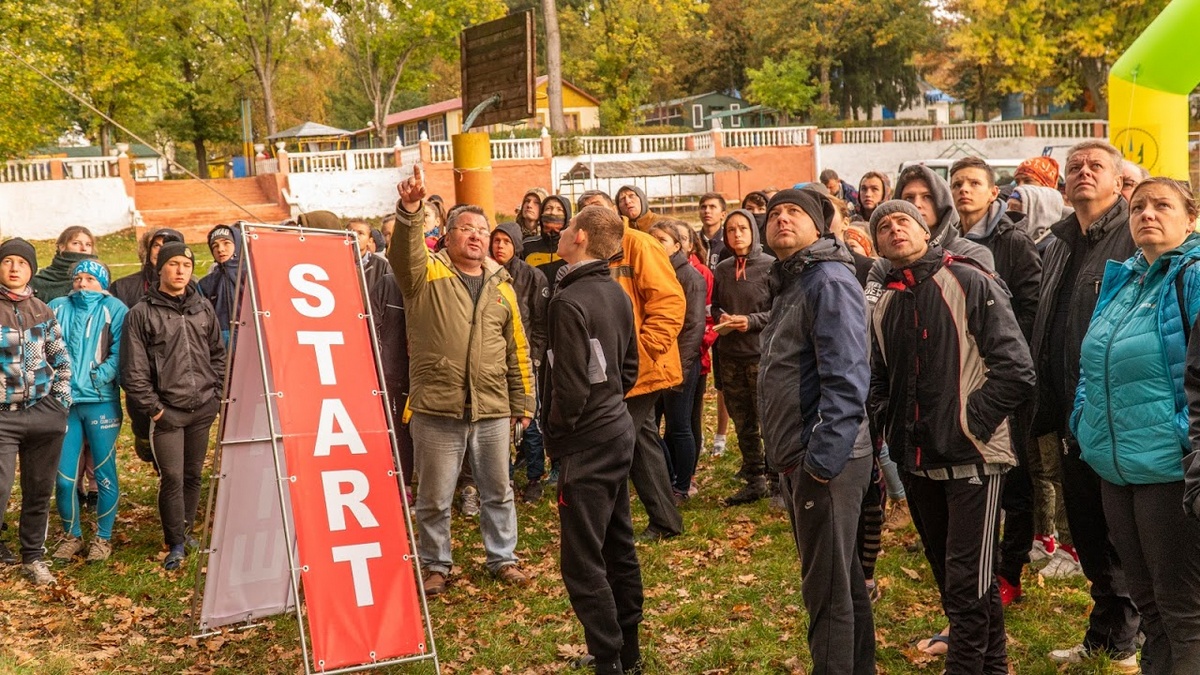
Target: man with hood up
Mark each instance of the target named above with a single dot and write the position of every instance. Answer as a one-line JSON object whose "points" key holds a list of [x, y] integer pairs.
{"points": [[741, 304], [528, 212], [132, 288], [541, 251], [983, 219], [533, 296], [812, 387], [632, 203], [922, 187], [221, 282]]}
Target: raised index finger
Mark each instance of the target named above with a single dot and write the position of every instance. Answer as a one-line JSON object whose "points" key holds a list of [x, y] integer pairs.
{"points": [[418, 175]]}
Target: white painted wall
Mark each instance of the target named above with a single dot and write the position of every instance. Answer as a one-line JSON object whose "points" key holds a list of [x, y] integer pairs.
{"points": [[43, 209], [852, 160], [349, 194]]}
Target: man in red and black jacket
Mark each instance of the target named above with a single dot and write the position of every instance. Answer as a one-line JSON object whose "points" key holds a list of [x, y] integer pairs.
{"points": [[949, 365]]}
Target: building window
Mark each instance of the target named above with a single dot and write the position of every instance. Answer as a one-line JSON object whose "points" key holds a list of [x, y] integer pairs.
{"points": [[736, 120], [697, 116], [437, 129], [411, 134], [572, 120]]}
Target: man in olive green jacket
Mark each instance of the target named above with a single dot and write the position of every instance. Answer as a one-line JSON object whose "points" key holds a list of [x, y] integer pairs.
{"points": [[471, 380]]}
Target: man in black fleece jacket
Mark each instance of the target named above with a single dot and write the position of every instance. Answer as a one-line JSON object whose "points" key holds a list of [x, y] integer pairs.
{"points": [[592, 363]]}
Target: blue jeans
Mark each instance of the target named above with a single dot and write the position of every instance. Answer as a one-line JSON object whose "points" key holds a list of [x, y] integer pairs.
{"points": [[100, 424], [439, 444], [679, 443], [532, 453]]}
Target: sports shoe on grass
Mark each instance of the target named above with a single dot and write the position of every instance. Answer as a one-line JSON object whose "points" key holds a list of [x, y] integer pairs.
{"points": [[99, 551], [718, 447], [6, 556], [468, 501], [1126, 664], [1064, 564], [68, 548], [38, 572], [1044, 546], [753, 491], [533, 492], [1009, 593]]}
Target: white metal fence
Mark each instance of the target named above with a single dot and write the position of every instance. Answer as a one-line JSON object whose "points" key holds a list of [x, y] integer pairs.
{"points": [[517, 148], [767, 137], [341, 160]]}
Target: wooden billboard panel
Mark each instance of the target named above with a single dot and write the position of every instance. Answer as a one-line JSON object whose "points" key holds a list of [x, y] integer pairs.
{"points": [[498, 57]]}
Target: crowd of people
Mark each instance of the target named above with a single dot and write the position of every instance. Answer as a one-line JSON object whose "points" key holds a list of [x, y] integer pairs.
{"points": [[1008, 367]]}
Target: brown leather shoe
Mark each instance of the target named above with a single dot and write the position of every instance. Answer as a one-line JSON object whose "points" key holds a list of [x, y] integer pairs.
{"points": [[512, 575], [435, 583]]}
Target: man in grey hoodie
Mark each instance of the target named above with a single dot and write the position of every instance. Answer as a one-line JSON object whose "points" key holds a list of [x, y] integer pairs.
{"points": [[922, 187]]}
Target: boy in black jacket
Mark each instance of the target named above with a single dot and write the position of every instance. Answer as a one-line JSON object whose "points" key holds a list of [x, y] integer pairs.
{"points": [[592, 363]]}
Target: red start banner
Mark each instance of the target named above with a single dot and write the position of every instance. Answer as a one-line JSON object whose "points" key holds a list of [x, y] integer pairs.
{"points": [[357, 568]]}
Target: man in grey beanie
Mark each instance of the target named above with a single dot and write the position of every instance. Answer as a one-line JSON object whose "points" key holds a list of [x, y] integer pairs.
{"points": [[948, 427]]}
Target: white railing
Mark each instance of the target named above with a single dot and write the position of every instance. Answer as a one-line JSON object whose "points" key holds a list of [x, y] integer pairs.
{"points": [[371, 158], [99, 167], [862, 135], [662, 143], [1006, 130], [266, 166], [766, 137], [25, 170], [340, 160], [1068, 128], [440, 151], [606, 145], [958, 132], [703, 141], [912, 134], [316, 162], [517, 148], [410, 155]]}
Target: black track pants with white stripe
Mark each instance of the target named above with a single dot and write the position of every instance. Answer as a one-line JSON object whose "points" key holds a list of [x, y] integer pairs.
{"points": [[959, 521]]}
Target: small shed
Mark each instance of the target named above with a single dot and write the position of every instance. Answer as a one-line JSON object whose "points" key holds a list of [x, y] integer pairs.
{"points": [[629, 171], [313, 137]]}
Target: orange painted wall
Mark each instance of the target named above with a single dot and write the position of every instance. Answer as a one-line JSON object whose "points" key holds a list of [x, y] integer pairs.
{"points": [[778, 167]]}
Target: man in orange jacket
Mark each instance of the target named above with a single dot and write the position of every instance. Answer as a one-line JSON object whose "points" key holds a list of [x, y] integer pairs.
{"points": [[643, 270]]}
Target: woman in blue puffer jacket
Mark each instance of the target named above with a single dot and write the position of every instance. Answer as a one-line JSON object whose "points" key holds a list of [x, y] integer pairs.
{"points": [[91, 322], [1131, 418]]}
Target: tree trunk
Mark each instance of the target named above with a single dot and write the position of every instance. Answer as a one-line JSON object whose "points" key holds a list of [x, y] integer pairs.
{"points": [[554, 92], [201, 157], [825, 85], [268, 90], [1095, 75]]}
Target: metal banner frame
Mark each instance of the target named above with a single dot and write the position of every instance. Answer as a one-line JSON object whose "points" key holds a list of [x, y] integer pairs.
{"points": [[246, 273]]}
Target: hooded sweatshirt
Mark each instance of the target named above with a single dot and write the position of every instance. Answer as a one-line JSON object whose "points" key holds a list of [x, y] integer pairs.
{"points": [[1042, 207], [742, 285], [542, 251], [944, 232], [220, 284], [534, 228], [645, 219], [131, 289], [55, 280], [1017, 261], [533, 293]]}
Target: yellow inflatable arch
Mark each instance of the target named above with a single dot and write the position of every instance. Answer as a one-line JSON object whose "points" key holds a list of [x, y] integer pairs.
{"points": [[1148, 91]]}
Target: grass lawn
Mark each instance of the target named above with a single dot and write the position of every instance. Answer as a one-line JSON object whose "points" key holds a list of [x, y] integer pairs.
{"points": [[722, 598]]}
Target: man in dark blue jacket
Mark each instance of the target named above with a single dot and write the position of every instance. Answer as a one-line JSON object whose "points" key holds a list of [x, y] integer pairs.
{"points": [[591, 365], [812, 386]]}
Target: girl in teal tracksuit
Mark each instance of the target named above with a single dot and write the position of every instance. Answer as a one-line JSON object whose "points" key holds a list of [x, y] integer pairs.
{"points": [[91, 321]]}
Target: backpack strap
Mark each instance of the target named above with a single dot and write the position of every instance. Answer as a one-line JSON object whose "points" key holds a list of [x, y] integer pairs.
{"points": [[1183, 313]]}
